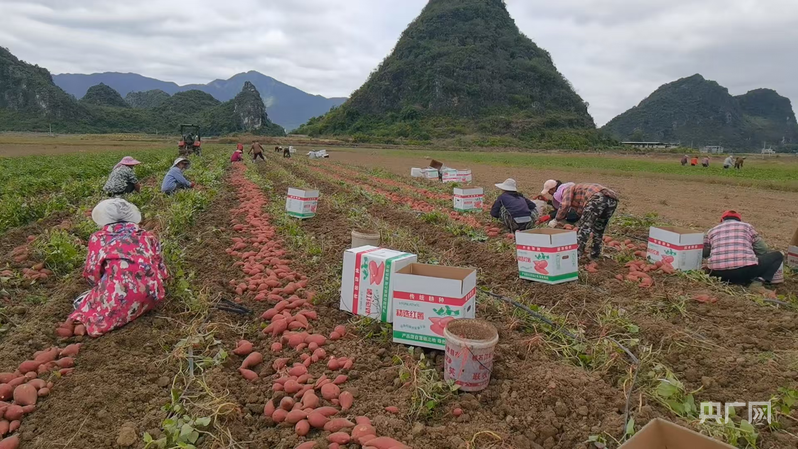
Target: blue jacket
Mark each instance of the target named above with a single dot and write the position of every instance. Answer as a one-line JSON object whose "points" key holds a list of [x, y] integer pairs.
{"points": [[516, 204], [174, 180]]}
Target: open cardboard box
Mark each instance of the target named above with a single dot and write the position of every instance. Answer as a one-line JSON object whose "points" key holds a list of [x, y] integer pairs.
{"points": [[547, 255], [682, 248], [426, 298], [661, 434], [301, 203], [435, 164]]}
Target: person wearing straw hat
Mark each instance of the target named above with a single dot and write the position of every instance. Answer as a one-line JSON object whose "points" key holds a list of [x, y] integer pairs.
{"points": [[125, 268], [596, 205], [517, 212], [174, 179], [738, 254], [123, 179]]}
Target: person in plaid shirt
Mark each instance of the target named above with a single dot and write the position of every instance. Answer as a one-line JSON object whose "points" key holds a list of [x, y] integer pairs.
{"points": [[596, 205], [738, 255]]}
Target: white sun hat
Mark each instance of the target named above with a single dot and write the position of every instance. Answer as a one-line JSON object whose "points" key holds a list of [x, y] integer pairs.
{"points": [[179, 160], [115, 210], [508, 185], [547, 186]]}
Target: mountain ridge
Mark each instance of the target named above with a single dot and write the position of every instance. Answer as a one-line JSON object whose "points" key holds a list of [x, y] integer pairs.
{"points": [[285, 104], [697, 111]]}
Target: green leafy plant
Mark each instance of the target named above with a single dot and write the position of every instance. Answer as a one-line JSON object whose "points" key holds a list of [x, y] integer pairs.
{"points": [[429, 390], [62, 252]]}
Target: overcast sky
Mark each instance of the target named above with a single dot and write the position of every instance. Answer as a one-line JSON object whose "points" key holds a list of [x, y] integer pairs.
{"points": [[615, 52]]}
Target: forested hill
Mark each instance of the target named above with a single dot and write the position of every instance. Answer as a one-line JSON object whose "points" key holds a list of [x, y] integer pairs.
{"points": [[461, 67], [30, 101], [701, 112]]}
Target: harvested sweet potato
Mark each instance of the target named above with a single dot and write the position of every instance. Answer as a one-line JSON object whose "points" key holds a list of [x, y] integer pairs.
{"points": [[346, 399], [392, 409], [252, 360], [243, 348], [339, 438], [11, 442], [25, 394], [330, 391], [338, 424], [317, 420], [302, 428]]}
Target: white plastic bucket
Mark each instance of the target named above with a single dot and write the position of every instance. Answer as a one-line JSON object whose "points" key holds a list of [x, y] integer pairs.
{"points": [[469, 353], [365, 238]]}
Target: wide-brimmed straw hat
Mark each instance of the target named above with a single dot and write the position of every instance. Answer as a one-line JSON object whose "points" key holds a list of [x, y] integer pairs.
{"points": [[179, 160], [509, 185], [127, 160], [547, 186], [115, 210]]}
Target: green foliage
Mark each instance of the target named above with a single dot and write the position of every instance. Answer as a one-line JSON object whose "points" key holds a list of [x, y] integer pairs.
{"points": [[29, 101], [429, 390], [102, 95], [147, 100], [180, 430], [699, 112], [461, 68], [62, 252]]}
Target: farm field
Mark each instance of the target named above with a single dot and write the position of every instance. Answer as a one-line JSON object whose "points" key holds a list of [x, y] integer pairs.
{"points": [[610, 356]]}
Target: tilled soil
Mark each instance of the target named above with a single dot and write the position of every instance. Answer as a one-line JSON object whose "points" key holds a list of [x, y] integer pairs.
{"points": [[735, 348], [686, 203]]}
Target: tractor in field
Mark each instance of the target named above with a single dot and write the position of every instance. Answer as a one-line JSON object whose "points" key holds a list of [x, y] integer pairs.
{"points": [[190, 140]]}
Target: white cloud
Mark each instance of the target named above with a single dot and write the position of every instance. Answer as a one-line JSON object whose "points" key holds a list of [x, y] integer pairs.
{"points": [[615, 52]]}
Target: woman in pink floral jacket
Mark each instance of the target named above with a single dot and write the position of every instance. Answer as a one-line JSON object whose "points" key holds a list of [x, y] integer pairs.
{"points": [[125, 268]]}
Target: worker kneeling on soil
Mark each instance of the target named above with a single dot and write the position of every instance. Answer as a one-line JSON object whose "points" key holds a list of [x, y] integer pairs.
{"points": [[738, 255], [174, 179], [554, 189], [125, 268], [516, 211], [238, 155], [596, 205], [123, 179]]}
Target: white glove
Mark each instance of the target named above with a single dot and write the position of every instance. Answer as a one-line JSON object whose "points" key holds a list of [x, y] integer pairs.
{"points": [[553, 224]]}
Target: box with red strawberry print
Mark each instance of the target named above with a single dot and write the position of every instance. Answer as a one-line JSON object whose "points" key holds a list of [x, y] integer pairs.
{"points": [[547, 255], [426, 298], [367, 282], [681, 248]]}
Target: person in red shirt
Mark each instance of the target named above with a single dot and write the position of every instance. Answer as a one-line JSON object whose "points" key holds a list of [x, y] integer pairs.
{"points": [[240, 147], [238, 155], [738, 255], [694, 161]]}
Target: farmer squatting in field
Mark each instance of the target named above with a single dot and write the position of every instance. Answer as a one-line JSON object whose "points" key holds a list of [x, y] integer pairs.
{"points": [[174, 179], [554, 189], [738, 255], [125, 268], [596, 205], [516, 211], [123, 179]]}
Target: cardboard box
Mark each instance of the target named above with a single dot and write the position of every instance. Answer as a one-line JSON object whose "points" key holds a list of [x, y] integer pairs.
{"points": [[429, 173], [792, 257], [682, 248], [547, 255], [436, 165], [464, 176], [416, 173], [449, 175], [302, 203], [792, 252], [426, 298], [368, 280], [468, 199], [661, 434]]}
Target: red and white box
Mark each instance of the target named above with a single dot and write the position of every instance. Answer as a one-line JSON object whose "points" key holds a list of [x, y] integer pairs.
{"points": [[547, 255], [426, 298], [368, 280], [301, 203], [682, 248], [464, 176], [792, 257], [469, 199]]}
